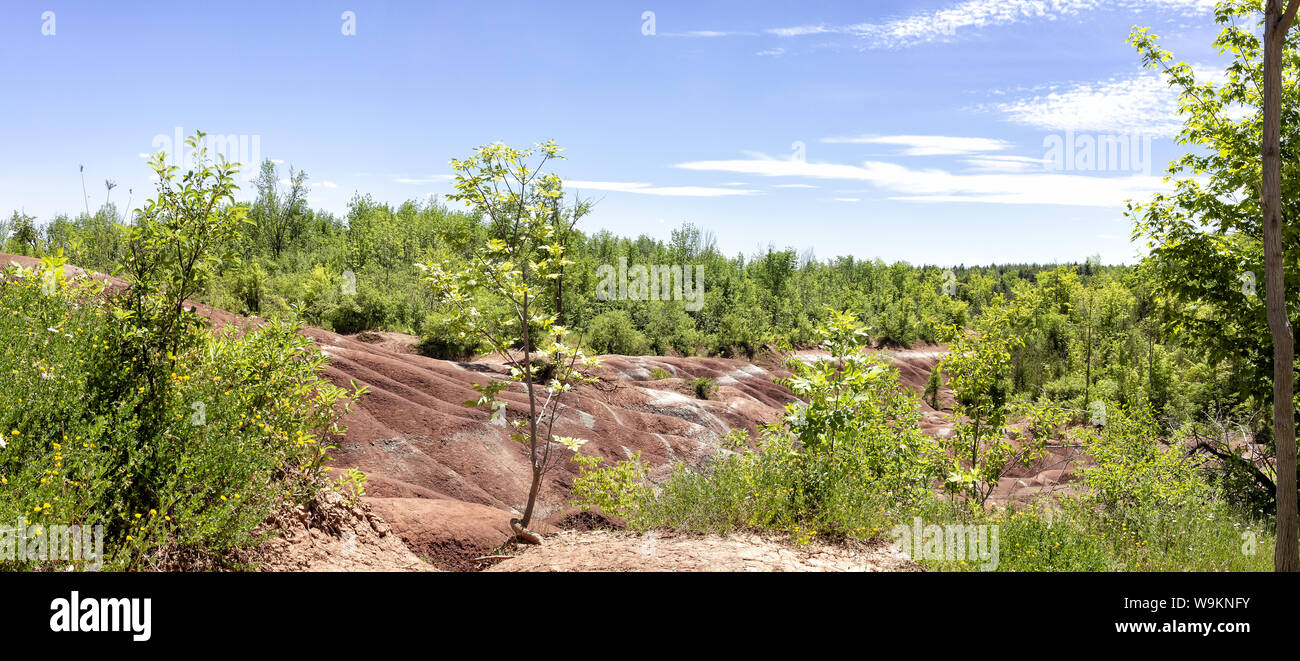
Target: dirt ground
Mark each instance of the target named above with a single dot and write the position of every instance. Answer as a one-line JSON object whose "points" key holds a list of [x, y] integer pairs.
{"points": [[598, 551], [332, 535]]}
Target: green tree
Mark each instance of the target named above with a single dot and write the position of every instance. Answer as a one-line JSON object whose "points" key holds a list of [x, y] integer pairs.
{"points": [[565, 219], [1224, 220], [613, 332], [179, 240], [979, 369], [374, 237], [22, 229], [852, 413], [522, 256], [1277, 22], [278, 216], [932, 385]]}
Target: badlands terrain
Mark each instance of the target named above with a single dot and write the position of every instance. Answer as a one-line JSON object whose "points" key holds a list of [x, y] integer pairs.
{"points": [[443, 482]]}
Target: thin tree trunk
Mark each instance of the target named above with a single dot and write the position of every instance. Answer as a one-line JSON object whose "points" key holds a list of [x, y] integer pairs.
{"points": [[1151, 364], [1286, 555], [1087, 370], [532, 420], [562, 237]]}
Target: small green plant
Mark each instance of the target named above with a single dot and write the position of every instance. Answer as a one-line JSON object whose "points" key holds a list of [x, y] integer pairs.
{"points": [[1045, 419], [932, 385], [659, 373], [1133, 471], [854, 411], [617, 490], [704, 387], [353, 484]]}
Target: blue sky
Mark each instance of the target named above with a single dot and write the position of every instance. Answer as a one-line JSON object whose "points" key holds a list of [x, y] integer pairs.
{"points": [[918, 130]]}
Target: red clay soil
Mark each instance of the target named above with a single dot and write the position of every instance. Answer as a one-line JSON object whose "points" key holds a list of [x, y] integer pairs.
{"points": [[448, 480], [332, 534]]}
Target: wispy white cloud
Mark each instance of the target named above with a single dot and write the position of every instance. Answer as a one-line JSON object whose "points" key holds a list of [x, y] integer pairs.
{"points": [[431, 179], [648, 189], [928, 145], [935, 185], [1198, 6], [946, 24], [707, 34], [802, 30], [793, 186], [1141, 103], [771, 52], [1000, 163]]}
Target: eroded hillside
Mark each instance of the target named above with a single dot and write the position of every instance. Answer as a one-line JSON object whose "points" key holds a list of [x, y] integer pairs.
{"points": [[446, 480]]}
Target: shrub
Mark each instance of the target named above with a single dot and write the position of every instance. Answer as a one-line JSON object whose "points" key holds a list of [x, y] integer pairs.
{"points": [[231, 442], [739, 333], [855, 414], [670, 329], [897, 325], [704, 387], [847, 453], [443, 336], [1045, 418], [124, 411], [614, 333], [248, 287], [369, 308], [617, 490], [1132, 471], [932, 386], [315, 292], [979, 369]]}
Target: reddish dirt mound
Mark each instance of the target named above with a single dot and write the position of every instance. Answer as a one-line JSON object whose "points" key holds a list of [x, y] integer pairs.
{"points": [[1053, 473], [681, 552], [463, 531], [448, 480], [334, 535]]}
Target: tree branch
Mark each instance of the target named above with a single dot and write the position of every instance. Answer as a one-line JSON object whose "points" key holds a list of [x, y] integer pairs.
{"points": [[1284, 23]]}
